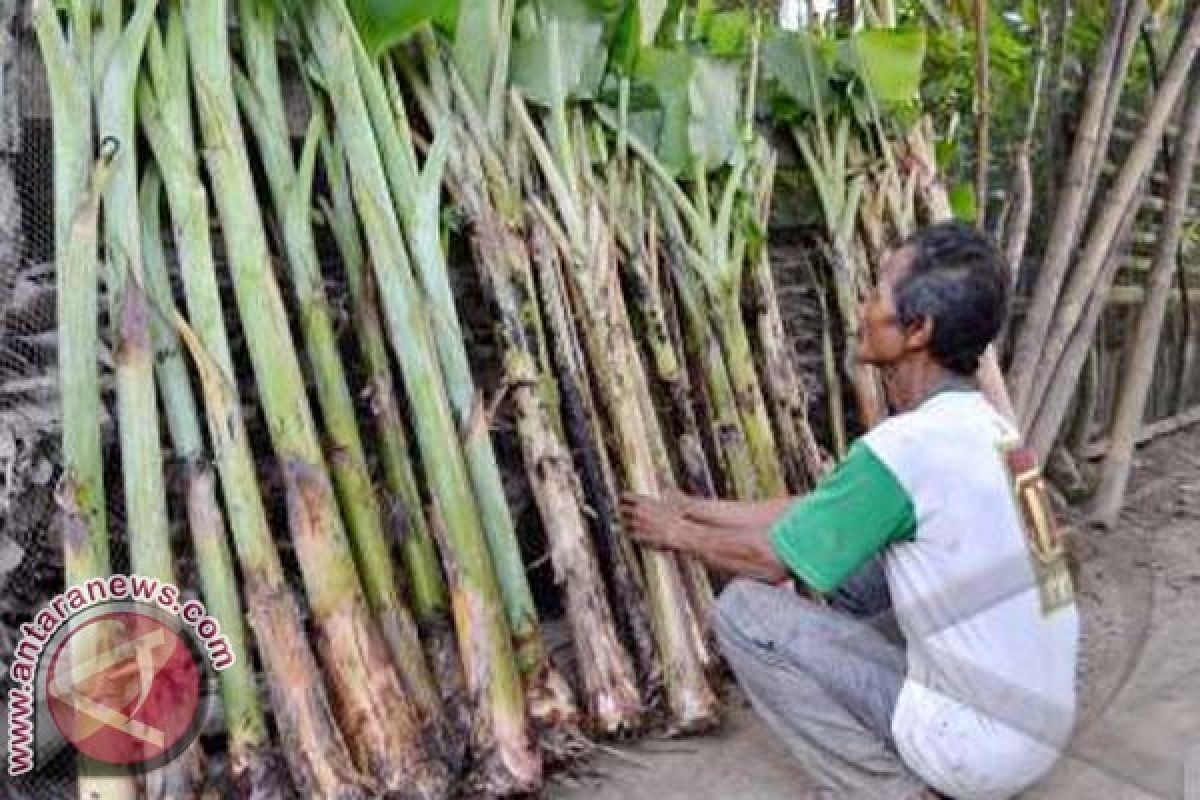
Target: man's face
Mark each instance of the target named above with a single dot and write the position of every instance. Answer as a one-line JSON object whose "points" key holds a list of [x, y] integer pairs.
{"points": [[881, 339]]}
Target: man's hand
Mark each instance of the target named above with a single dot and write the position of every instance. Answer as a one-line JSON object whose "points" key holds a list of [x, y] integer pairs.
{"points": [[677, 499], [653, 522], [741, 548]]}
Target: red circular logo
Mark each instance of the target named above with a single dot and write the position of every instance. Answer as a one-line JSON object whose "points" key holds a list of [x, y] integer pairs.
{"points": [[124, 688]]}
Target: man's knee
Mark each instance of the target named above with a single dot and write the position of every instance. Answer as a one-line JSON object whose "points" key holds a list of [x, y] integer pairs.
{"points": [[742, 611]]}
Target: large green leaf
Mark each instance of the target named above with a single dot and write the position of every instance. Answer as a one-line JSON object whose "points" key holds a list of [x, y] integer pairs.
{"points": [[694, 111], [715, 99], [384, 23], [800, 65], [889, 62], [575, 46], [669, 73]]}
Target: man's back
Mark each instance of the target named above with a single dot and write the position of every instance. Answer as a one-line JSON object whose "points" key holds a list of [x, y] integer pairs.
{"points": [[990, 691]]}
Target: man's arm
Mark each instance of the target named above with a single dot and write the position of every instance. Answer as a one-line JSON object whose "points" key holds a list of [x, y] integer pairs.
{"points": [[822, 539], [761, 515], [740, 546]]}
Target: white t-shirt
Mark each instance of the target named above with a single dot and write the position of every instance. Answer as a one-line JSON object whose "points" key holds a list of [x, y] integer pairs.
{"points": [[978, 584]]}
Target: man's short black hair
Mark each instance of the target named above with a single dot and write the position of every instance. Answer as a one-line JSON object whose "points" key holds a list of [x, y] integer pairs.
{"points": [[957, 279]]}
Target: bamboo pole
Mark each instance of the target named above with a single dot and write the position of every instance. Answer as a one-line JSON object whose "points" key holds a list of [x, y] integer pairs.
{"points": [[1163, 427], [1056, 105], [982, 114], [380, 723], [1078, 350], [1064, 229], [1105, 505], [1056, 379], [1016, 232], [1135, 17]]}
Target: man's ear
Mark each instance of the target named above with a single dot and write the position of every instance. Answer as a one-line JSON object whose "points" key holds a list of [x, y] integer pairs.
{"points": [[918, 335]]}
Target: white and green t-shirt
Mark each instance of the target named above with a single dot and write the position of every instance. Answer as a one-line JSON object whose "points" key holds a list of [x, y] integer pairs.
{"points": [[978, 584]]}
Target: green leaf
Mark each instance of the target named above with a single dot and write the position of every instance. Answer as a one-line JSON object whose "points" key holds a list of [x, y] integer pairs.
{"points": [[714, 100], [946, 153], [382, 24], [669, 73], [786, 63], [651, 13], [694, 111], [889, 62], [728, 33], [448, 14], [608, 13], [646, 125], [962, 202], [580, 56]]}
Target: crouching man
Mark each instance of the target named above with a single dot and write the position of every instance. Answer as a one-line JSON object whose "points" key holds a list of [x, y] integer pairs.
{"points": [[944, 661]]}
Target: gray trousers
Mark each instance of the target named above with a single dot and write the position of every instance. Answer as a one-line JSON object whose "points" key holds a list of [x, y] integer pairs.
{"points": [[824, 679]]}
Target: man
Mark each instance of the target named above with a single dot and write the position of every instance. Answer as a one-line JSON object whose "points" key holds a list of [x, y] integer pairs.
{"points": [[935, 521]]}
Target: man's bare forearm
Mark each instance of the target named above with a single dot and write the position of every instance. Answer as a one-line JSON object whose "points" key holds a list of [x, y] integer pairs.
{"points": [[742, 551], [732, 514]]}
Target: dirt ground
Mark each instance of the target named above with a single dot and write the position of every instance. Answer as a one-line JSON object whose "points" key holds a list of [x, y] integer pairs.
{"points": [[1139, 730]]}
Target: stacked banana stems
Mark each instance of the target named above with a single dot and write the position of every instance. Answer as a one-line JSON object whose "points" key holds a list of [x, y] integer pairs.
{"points": [[635, 321]]}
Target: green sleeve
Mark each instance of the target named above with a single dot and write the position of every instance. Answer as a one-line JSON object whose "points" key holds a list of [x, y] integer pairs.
{"points": [[857, 511]]}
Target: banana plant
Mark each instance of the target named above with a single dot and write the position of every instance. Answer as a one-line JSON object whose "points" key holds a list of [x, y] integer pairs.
{"points": [[78, 186], [380, 721], [142, 469], [315, 748], [836, 98], [417, 195], [576, 223], [455, 447], [290, 183], [713, 207]]}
